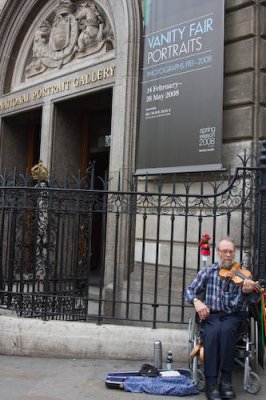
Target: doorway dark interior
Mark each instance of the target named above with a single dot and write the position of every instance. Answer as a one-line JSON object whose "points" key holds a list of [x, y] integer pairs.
{"points": [[83, 136], [82, 129], [21, 140], [21, 144]]}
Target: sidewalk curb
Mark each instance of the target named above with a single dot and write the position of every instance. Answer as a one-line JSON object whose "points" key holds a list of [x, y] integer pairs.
{"points": [[30, 337]]}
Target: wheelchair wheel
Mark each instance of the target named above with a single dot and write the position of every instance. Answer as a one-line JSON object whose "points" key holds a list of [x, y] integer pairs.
{"points": [[191, 339], [253, 384], [254, 338], [201, 383]]}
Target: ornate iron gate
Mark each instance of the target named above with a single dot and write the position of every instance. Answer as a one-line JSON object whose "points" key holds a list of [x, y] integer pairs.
{"points": [[72, 252]]}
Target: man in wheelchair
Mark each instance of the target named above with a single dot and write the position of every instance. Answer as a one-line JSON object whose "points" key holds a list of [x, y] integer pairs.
{"points": [[221, 307]]}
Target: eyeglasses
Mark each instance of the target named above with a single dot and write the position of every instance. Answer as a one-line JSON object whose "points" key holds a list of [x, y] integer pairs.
{"points": [[226, 251]]}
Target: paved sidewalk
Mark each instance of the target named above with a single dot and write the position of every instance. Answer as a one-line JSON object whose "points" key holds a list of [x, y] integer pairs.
{"points": [[26, 378]]}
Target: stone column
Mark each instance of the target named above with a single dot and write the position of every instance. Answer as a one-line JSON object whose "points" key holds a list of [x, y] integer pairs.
{"points": [[46, 135]]}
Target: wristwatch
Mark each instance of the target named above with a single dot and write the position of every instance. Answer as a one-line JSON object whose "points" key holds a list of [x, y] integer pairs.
{"points": [[195, 299]]}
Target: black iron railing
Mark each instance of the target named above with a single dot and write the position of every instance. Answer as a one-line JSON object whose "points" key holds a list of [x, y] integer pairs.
{"points": [[84, 251]]}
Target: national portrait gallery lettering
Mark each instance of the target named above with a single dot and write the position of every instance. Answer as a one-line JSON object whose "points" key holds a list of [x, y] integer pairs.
{"points": [[180, 125], [64, 86]]}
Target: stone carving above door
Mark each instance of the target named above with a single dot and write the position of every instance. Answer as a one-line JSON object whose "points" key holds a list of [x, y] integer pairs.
{"points": [[75, 30]]}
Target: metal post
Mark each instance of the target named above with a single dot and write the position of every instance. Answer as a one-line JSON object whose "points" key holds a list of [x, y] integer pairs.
{"points": [[261, 220]]}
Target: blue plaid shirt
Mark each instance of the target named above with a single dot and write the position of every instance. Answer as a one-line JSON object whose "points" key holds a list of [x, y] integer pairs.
{"points": [[218, 293]]}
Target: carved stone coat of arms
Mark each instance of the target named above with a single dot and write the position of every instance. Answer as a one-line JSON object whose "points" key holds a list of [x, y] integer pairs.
{"points": [[75, 31]]}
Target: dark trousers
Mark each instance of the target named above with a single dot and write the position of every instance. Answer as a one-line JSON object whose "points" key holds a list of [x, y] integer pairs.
{"points": [[219, 339]]}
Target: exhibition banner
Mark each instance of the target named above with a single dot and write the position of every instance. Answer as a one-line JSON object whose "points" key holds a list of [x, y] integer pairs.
{"points": [[180, 126]]}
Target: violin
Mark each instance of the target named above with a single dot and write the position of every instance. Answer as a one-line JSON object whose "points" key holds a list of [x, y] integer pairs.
{"points": [[237, 275]]}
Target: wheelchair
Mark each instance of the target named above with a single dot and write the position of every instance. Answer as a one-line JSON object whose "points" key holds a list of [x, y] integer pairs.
{"points": [[247, 353]]}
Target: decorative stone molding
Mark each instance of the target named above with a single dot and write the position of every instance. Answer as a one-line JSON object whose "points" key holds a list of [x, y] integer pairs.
{"points": [[76, 31]]}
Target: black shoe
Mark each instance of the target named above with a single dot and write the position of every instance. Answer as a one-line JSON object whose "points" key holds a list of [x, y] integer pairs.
{"points": [[212, 392], [226, 391]]}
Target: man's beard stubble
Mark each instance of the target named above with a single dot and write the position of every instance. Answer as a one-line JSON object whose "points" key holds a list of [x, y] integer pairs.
{"points": [[226, 264]]}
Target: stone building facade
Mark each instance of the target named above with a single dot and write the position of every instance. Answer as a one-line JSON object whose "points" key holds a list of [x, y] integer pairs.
{"points": [[69, 84], [46, 86], [64, 50]]}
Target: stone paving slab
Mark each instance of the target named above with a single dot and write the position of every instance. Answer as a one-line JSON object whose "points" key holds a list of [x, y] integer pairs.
{"points": [[26, 378]]}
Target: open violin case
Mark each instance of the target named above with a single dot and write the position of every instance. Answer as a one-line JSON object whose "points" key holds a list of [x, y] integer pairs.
{"points": [[134, 381]]}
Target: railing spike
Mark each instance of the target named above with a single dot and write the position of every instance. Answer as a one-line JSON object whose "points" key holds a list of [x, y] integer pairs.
{"points": [[119, 178], [146, 183]]}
